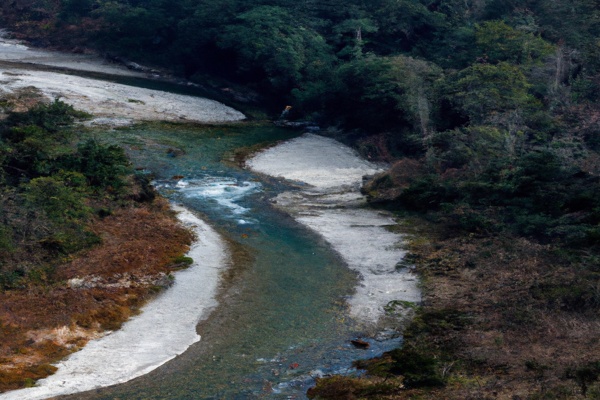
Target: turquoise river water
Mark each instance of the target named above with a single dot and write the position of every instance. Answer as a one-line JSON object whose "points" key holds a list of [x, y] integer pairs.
{"points": [[281, 319]]}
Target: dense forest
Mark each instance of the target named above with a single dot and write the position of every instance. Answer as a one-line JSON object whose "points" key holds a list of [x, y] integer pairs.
{"points": [[489, 112]]}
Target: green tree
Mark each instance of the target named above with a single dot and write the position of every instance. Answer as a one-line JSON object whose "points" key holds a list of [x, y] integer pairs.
{"points": [[351, 35], [483, 91], [34, 141], [576, 23], [53, 118], [104, 166], [499, 42], [270, 40], [73, 9], [136, 27], [196, 36], [415, 80], [362, 95], [60, 196], [57, 213], [31, 152], [474, 148], [403, 24]]}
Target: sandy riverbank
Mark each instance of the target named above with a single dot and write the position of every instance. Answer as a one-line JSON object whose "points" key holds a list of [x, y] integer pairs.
{"points": [[331, 204], [111, 103], [167, 325], [165, 328], [16, 51]]}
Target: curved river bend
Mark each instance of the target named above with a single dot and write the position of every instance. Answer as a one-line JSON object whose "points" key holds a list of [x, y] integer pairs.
{"points": [[283, 317]]}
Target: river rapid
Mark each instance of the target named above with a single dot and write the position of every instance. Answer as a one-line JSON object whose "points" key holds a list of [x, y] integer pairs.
{"points": [[307, 267]]}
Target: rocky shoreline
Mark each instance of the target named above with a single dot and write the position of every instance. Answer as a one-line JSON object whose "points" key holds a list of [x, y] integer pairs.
{"points": [[330, 203], [110, 103]]}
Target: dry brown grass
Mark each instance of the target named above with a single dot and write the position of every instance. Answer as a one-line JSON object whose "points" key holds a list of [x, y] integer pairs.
{"points": [[517, 344], [494, 321], [136, 239], [39, 325]]}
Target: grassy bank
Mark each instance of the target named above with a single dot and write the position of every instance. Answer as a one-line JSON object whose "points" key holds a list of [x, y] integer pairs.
{"points": [[97, 291]]}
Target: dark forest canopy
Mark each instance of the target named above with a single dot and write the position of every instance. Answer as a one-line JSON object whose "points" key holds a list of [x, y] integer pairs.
{"points": [[346, 62], [478, 91]]}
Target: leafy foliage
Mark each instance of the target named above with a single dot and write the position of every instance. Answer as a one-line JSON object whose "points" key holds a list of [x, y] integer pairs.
{"points": [[60, 196], [53, 118], [267, 36], [483, 91], [500, 42], [103, 166], [51, 185]]}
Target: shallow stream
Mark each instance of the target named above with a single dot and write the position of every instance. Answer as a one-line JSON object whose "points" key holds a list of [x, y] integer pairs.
{"points": [[282, 319]]}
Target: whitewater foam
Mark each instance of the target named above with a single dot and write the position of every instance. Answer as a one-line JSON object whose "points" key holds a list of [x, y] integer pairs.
{"points": [[226, 192]]}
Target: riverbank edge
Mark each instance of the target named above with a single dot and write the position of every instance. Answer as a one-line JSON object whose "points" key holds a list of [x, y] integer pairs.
{"points": [[45, 345], [330, 204], [484, 329], [80, 381], [95, 65]]}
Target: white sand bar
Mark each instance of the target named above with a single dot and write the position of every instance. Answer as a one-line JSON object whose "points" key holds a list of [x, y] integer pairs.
{"points": [[316, 160], [165, 328], [16, 51], [106, 99], [114, 104], [333, 206]]}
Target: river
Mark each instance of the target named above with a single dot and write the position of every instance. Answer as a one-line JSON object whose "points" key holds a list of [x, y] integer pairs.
{"points": [[283, 317], [288, 305]]}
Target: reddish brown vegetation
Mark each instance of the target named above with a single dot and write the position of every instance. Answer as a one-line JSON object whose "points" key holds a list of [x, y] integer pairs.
{"points": [[39, 325], [503, 318], [136, 239], [523, 327]]}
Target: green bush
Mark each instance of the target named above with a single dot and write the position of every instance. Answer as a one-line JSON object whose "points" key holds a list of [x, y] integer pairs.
{"points": [[6, 239], [104, 166], [11, 279], [417, 368], [61, 202], [53, 117], [69, 240], [585, 375], [182, 261], [427, 193], [49, 183]]}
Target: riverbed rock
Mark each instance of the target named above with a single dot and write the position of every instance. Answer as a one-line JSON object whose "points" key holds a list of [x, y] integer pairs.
{"points": [[361, 344]]}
